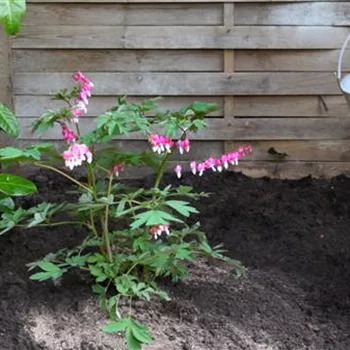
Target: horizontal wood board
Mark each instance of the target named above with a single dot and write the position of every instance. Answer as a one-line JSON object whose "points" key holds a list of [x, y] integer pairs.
{"points": [[246, 129], [165, 84]]}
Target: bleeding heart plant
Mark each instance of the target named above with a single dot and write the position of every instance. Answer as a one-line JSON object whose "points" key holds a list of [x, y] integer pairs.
{"points": [[134, 237]]}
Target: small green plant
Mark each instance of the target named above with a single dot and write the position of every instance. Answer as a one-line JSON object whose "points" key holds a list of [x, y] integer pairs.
{"points": [[134, 236]]}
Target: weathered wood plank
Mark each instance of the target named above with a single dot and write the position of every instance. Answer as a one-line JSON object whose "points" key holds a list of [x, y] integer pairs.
{"points": [[200, 150], [180, 37], [245, 106], [282, 170], [325, 150], [5, 70], [302, 14], [31, 106], [185, 83], [293, 170], [238, 129], [277, 170], [290, 60], [117, 60], [173, 1], [95, 14], [290, 106]]}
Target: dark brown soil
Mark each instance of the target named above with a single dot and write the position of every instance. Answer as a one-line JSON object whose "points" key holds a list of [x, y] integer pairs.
{"points": [[294, 237]]}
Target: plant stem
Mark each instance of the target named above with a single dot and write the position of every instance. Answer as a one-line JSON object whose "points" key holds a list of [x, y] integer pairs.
{"points": [[91, 179], [105, 222], [63, 174], [92, 184], [92, 224], [78, 129], [59, 224], [161, 170]]}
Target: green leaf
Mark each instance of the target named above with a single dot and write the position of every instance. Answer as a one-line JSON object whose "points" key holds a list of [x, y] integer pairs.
{"points": [[77, 260], [14, 185], [153, 217], [51, 271], [86, 198], [98, 289], [117, 326], [8, 121], [11, 153], [48, 119], [42, 276], [6, 204], [200, 107], [8, 154], [121, 206], [96, 271], [162, 294], [97, 257], [9, 226], [11, 13], [140, 332], [38, 219], [131, 340], [141, 219], [184, 189], [184, 254], [11, 219], [48, 266], [182, 207]]}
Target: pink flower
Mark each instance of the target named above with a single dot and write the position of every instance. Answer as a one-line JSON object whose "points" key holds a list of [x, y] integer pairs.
{"points": [[81, 106], [84, 95], [193, 166], [161, 143], [76, 154], [218, 164], [82, 79], [178, 171], [210, 163], [224, 160], [76, 114], [117, 169], [201, 168], [183, 145], [233, 158], [157, 230], [68, 134], [86, 86], [78, 110]]}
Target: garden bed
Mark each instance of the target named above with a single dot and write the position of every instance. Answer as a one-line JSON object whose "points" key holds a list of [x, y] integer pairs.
{"points": [[293, 236]]}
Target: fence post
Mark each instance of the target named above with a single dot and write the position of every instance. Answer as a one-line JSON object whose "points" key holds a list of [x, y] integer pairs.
{"points": [[6, 92]]}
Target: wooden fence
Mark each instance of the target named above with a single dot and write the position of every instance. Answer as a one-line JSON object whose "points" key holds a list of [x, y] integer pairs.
{"points": [[268, 64]]}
